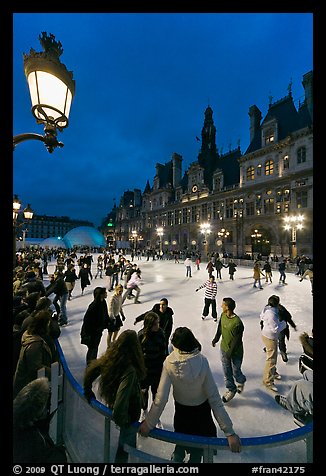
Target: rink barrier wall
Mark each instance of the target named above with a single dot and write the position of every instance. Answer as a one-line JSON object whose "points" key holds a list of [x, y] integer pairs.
{"points": [[76, 421]]}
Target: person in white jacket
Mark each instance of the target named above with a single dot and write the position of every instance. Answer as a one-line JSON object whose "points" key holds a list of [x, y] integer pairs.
{"points": [[271, 326], [195, 394], [133, 284]]}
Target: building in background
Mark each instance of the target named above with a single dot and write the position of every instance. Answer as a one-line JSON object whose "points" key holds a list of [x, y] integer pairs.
{"points": [[243, 197], [43, 226]]}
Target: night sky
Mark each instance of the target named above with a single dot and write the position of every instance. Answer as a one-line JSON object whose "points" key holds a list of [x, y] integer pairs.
{"points": [[143, 82]]}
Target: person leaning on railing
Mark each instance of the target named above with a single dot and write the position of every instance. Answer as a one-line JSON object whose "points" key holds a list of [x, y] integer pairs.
{"points": [[195, 394]]}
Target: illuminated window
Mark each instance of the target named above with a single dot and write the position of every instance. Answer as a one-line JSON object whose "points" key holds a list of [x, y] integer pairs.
{"points": [[259, 170], [269, 205], [269, 136], [251, 173], [269, 167]]}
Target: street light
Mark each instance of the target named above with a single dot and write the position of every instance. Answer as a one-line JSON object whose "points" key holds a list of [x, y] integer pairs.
{"points": [[223, 234], [52, 89], [293, 223], [134, 237], [205, 229], [160, 232], [28, 215], [256, 239]]}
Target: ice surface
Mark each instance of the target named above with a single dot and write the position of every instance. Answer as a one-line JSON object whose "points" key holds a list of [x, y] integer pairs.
{"points": [[254, 412]]}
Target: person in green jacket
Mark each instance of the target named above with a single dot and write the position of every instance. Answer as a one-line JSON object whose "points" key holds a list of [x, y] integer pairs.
{"points": [[231, 328], [120, 370]]}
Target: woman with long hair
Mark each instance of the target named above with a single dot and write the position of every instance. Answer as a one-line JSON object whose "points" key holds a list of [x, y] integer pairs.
{"points": [[120, 370]]}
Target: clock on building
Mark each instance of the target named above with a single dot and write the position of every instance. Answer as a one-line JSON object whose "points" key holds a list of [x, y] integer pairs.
{"points": [[194, 188]]}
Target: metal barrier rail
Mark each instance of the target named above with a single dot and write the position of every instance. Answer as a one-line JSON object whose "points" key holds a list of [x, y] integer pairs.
{"points": [[210, 445]]}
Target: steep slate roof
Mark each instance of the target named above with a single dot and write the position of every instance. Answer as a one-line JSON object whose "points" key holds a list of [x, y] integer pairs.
{"points": [[288, 120], [164, 173], [230, 166]]}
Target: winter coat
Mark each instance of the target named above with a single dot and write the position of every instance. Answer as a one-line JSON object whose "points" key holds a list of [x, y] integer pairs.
{"points": [[154, 350], [232, 268], [193, 384], [166, 319], [34, 355], [58, 287], [133, 281], [284, 315], [114, 312], [84, 274], [271, 324], [31, 441], [128, 401], [94, 322]]}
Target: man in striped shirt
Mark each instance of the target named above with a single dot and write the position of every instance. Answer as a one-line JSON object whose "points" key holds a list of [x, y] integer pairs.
{"points": [[210, 297]]}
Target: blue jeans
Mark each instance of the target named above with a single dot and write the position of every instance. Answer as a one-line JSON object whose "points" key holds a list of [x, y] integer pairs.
{"points": [[62, 309], [127, 435], [232, 371]]}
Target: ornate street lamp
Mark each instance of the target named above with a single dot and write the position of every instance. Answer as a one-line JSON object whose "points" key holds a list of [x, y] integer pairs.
{"points": [[293, 223], [134, 238], [160, 232], [223, 235], [256, 239], [205, 229], [52, 89]]}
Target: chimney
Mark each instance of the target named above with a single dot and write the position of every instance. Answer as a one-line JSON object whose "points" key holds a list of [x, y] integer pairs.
{"points": [[255, 118], [307, 84], [176, 169]]}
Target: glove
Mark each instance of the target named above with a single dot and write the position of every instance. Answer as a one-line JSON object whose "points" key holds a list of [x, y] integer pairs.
{"points": [[89, 394], [196, 290], [123, 317]]}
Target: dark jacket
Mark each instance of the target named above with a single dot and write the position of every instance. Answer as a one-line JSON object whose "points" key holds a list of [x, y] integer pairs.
{"points": [[58, 287], [34, 355], [284, 315], [95, 321], [128, 401], [166, 319], [154, 350]]}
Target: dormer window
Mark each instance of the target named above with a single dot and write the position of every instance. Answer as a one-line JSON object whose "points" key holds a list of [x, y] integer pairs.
{"points": [[251, 172], [269, 136]]}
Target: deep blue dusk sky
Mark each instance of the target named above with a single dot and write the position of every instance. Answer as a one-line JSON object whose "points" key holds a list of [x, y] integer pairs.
{"points": [[143, 82]]}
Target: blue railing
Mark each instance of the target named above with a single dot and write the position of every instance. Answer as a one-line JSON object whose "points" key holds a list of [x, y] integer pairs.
{"points": [[78, 421]]}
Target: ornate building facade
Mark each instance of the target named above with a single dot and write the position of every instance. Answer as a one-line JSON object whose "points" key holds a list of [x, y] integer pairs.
{"points": [[243, 199]]}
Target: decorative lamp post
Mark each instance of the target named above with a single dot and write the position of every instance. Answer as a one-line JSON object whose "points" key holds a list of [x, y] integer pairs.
{"points": [[160, 232], [52, 89], [205, 229], [223, 235], [134, 237], [256, 239], [293, 223], [28, 215]]}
